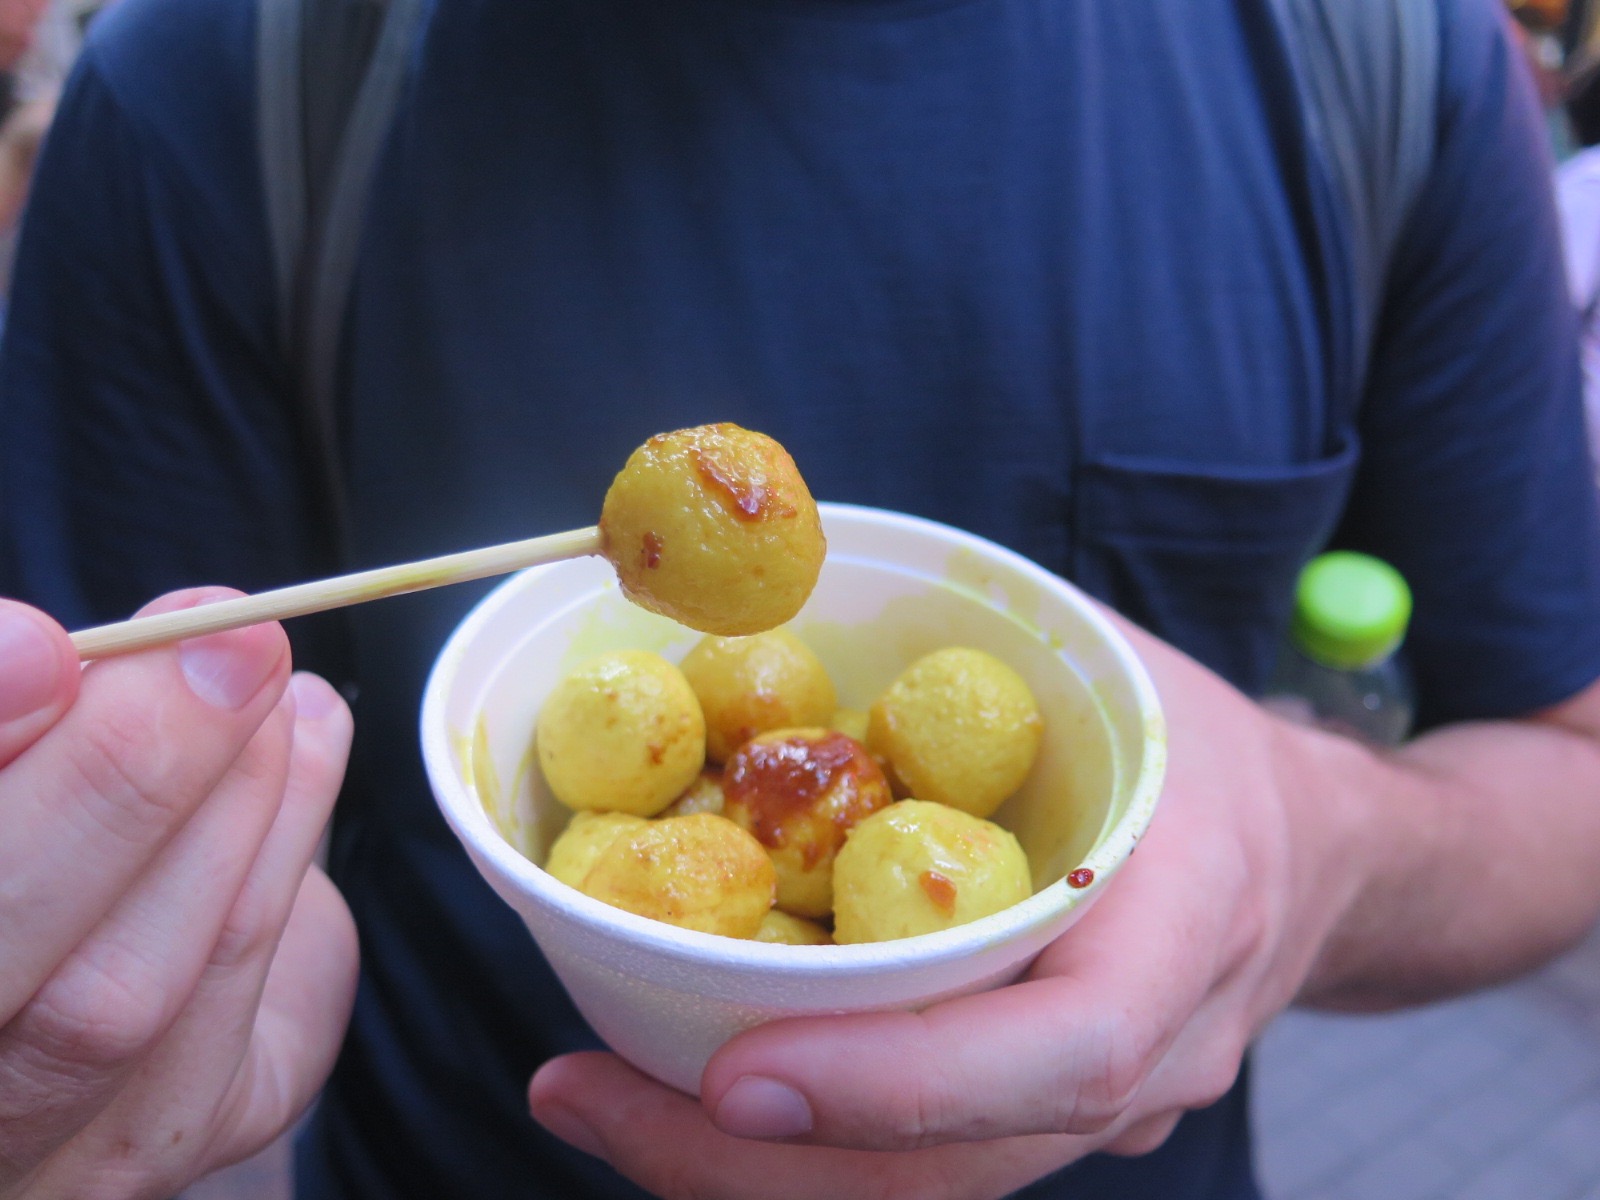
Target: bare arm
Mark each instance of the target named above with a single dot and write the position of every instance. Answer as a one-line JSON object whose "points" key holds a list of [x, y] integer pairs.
{"points": [[1477, 852]]}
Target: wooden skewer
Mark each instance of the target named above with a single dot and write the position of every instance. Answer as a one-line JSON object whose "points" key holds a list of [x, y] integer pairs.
{"points": [[160, 629]]}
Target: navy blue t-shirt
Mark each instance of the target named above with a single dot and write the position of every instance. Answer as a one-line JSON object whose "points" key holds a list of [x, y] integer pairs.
{"points": [[1066, 273]]}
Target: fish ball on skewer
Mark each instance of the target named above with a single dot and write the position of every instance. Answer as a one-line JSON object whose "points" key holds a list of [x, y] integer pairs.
{"points": [[713, 527]]}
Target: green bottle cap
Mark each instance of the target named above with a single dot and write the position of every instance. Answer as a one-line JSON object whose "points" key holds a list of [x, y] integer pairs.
{"points": [[1350, 610]]}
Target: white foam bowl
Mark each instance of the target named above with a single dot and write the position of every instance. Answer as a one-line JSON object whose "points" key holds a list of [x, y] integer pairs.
{"points": [[893, 588]]}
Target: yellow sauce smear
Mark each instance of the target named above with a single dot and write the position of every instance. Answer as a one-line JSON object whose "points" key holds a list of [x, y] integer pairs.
{"points": [[479, 769]]}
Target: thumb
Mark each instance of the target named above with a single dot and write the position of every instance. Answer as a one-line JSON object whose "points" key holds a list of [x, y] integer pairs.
{"points": [[38, 676]]}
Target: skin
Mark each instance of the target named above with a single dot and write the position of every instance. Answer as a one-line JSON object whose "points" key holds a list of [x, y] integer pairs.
{"points": [[175, 974], [1332, 875]]}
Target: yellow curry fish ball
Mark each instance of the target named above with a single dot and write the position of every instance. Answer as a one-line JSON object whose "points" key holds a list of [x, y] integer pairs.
{"points": [[713, 527], [622, 732], [749, 685], [780, 928], [958, 727], [799, 791], [918, 867], [580, 843], [703, 795], [697, 872]]}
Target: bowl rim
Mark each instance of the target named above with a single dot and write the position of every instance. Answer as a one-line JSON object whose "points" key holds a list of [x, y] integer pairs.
{"points": [[466, 816]]}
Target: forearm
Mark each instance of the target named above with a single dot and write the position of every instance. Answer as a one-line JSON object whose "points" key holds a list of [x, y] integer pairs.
{"points": [[1475, 852]]}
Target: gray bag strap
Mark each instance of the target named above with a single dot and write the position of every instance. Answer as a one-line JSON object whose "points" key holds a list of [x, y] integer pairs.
{"points": [[1369, 72], [328, 79]]}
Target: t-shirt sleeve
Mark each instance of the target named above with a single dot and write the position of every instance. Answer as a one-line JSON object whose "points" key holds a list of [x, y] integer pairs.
{"points": [[1475, 480], [144, 440]]}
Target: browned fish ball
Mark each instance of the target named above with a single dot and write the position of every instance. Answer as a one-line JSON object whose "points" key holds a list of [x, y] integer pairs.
{"points": [[799, 791], [714, 527], [697, 872], [621, 732], [918, 867], [574, 852], [749, 685], [957, 727]]}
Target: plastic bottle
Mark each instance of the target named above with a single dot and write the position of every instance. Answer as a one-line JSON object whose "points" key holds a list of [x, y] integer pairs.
{"points": [[1340, 668]]}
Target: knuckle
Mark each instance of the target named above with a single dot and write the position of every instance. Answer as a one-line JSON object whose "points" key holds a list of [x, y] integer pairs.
{"points": [[926, 1109], [127, 766], [1144, 1138], [88, 1021], [265, 759], [923, 1112], [1116, 1064], [1215, 1076], [1251, 925], [1209, 1089], [923, 1115], [250, 931]]}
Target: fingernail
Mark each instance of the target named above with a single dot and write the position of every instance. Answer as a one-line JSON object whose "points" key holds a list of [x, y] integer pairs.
{"points": [[225, 669], [30, 668], [313, 699], [572, 1129], [755, 1107]]}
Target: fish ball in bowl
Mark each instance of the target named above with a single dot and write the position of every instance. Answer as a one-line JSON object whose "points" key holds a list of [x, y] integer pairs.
{"points": [[957, 727], [919, 867], [749, 685], [586, 835], [697, 872], [622, 732], [799, 791]]}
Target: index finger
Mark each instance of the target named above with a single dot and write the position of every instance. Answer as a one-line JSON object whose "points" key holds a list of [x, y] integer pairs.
{"points": [[38, 677]]}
